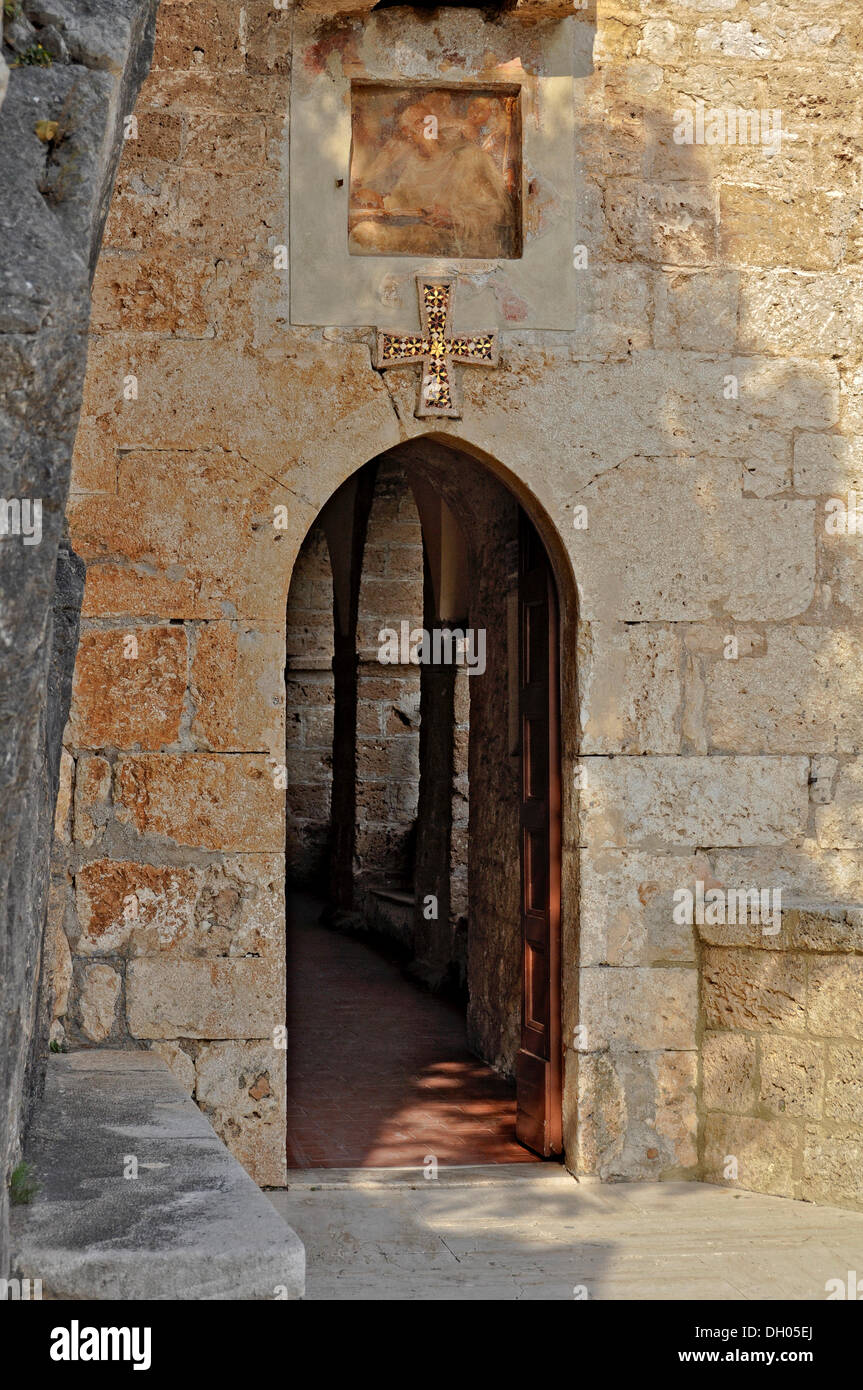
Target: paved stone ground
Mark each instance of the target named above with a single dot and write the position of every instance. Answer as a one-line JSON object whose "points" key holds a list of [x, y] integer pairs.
{"points": [[379, 1074], [533, 1232]]}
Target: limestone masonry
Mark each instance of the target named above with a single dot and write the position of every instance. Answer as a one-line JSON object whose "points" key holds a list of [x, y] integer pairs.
{"points": [[678, 407]]}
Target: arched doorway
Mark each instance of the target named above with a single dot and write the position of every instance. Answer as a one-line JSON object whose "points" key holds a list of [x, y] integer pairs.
{"points": [[424, 805]]}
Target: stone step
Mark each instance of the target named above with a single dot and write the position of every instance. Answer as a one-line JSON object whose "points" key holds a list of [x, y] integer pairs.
{"points": [[191, 1225]]}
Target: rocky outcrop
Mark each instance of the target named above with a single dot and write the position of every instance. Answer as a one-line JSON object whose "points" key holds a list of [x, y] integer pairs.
{"points": [[74, 72]]}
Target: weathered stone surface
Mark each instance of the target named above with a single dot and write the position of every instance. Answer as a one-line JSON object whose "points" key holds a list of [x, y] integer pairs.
{"points": [[630, 687], [179, 564], [192, 1225], [844, 1095], [241, 1088], [836, 996], [63, 810], [97, 1001], [729, 1069], [626, 901], [58, 966], [760, 704], [839, 825], [800, 312], [832, 1164], [754, 991], [828, 464], [638, 1113], [696, 309], [237, 688], [804, 872], [792, 1077], [722, 552], [203, 998], [676, 1116], [129, 688], [628, 1008], [827, 928], [760, 227], [657, 803], [231, 908], [92, 790], [762, 1150], [178, 1062], [50, 230], [216, 802]]}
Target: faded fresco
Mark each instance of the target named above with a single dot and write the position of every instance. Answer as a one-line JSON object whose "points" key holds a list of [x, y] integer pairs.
{"points": [[435, 172]]}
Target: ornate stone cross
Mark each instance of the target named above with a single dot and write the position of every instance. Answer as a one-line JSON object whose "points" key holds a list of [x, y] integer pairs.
{"points": [[435, 350]]}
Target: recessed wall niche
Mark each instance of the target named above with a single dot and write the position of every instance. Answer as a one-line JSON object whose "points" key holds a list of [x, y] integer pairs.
{"points": [[435, 171], [354, 259]]}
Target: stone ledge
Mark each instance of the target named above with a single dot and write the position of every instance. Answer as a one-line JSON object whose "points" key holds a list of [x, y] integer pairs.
{"points": [[193, 1225], [809, 926]]}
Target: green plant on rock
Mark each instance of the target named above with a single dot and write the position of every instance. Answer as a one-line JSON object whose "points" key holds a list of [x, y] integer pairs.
{"points": [[11, 9], [22, 1185], [33, 57]]}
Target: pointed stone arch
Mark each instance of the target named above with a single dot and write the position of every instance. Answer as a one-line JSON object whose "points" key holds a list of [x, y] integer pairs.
{"points": [[444, 529]]}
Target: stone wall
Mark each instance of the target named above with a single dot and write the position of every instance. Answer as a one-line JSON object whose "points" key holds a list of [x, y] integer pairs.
{"points": [[782, 1056], [61, 129], [310, 697], [388, 696], [679, 358]]}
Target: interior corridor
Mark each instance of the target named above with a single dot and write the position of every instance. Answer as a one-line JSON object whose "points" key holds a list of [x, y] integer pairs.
{"points": [[378, 1070]]}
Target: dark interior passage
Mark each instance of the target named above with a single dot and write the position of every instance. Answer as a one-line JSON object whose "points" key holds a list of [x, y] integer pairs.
{"points": [[411, 615], [379, 1073]]}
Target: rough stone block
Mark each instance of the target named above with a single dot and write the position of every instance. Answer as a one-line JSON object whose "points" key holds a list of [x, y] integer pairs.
{"points": [[221, 802], [801, 313], [229, 908], [802, 694], [674, 542], [92, 792], [636, 1114], [832, 1169], [754, 991], [828, 464], [764, 228], [203, 998], [844, 1094], [630, 686], [129, 688], [241, 1088], [626, 905], [631, 1008], [762, 1149], [729, 1067], [658, 803], [840, 824], [836, 996], [237, 687], [97, 1001], [792, 1077]]}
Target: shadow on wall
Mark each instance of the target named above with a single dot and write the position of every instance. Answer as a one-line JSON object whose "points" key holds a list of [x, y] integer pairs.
{"points": [[719, 646]]}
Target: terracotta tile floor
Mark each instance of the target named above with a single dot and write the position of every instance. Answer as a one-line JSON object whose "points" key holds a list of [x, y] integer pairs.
{"points": [[378, 1071]]}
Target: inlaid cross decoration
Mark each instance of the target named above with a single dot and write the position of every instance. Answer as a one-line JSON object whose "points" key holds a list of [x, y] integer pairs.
{"points": [[435, 350]]}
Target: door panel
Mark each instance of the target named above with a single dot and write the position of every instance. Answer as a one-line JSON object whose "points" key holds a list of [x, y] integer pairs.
{"points": [[539, 1062]]}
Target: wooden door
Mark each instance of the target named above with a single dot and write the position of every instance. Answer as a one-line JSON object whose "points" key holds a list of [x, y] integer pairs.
{"points": [[539, 1062]]}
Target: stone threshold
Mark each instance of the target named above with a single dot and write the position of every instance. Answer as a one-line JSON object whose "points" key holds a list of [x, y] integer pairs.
{"points": [[449, 1175], [191, 1225]]}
